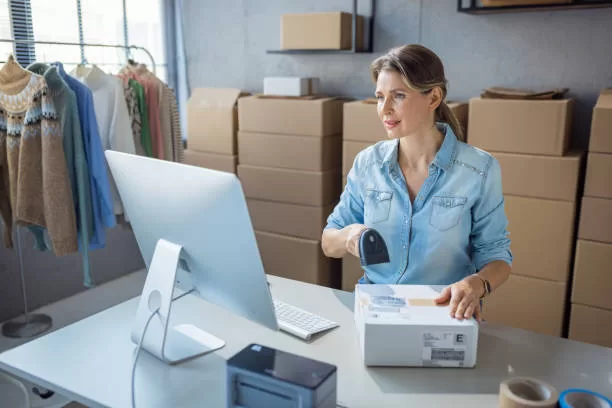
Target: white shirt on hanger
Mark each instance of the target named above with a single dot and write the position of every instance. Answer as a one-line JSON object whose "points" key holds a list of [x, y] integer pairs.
{"points": [[111, 114]]}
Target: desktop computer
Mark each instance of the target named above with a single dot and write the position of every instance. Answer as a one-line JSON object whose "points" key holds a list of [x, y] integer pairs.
{"points": [[196, 219]]}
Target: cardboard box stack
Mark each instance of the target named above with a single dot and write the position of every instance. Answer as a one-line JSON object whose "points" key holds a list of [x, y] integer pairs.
{"points": [[591, 311], [212, 123], [530, 140], [290, 158], [363, 128]]}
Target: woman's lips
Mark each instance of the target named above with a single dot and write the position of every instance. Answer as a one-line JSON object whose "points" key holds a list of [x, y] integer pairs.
{"points": [[390, 124]]}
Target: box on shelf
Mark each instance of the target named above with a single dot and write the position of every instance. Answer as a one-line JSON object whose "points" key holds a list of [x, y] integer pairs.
{"points": [[290, 151], [307, 117], [591, 325], [297, 258], [528, 303], [601, 126], [291, 86], [290, 186], [596, 219], [212, 120], [300, 221], [430, 337], [222, 162], [521, 126], [542, 236], [592, 277], [599, 169], [551, 177], [320, 31]]}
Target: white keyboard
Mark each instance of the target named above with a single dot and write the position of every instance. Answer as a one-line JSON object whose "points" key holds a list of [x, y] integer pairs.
{"points": [[299, 322]]}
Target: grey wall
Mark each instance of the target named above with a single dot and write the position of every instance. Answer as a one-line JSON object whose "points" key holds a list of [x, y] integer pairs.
{"points": [[49, 278], [226, 43]]}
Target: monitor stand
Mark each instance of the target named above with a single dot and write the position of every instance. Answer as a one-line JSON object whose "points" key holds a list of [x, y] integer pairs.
{"points": [[170, 344]]}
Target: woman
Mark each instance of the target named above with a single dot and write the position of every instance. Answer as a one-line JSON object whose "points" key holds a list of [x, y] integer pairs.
{"points": [[436, 201]]}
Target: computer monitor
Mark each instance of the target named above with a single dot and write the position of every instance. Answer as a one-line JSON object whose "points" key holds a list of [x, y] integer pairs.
{"points": [[197, 218]]}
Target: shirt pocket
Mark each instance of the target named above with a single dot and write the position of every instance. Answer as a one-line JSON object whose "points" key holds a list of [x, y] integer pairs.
{"points": [[446, 212], [377, 205]]}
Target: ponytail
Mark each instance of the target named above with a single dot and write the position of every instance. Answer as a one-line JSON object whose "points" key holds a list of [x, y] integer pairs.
{"points": [[446, 115]]}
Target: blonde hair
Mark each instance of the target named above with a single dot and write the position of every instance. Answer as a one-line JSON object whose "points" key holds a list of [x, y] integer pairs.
{"points": [[422, 70]]}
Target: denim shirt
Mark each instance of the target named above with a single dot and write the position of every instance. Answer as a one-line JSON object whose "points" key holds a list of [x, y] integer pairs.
{"points": [[455, 226]]}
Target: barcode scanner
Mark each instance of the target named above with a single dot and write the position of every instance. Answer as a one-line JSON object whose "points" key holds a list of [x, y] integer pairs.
{"points": [[372, 248]]}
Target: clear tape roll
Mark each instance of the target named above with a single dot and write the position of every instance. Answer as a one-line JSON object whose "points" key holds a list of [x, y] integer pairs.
{"points": [[578, 398], [526, 392]]}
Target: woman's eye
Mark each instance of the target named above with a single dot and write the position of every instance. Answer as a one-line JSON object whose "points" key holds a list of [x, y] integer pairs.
{"points": [[380, 97], [400, 96]]}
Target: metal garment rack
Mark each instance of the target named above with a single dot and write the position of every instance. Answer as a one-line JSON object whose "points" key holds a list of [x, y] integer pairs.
{"points": [[34, 324], [128, 48]]}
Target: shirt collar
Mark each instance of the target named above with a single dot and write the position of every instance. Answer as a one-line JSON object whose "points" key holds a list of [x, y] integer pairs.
{"points": [[50, 73], [443, 158], [93, 77]]}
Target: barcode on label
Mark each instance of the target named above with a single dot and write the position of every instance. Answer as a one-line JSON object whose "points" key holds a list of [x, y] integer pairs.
{"points": [[447, 354]]}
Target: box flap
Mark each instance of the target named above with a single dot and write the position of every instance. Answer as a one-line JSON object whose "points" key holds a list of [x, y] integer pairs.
{"points": [[605, 99], [215, 97]]}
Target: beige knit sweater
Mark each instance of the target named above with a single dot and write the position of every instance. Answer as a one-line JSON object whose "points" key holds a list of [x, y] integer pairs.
{"points": [[34, 185]]}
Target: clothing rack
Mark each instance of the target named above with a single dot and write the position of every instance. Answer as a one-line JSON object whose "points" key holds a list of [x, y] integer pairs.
{"points": [[128, 48], [34, 324]]}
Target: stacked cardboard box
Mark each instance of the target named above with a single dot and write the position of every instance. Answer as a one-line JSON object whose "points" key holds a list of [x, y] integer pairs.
{"points": [[591, 312], [540, 177], [363, 128], [212, 123], [290, 158]]}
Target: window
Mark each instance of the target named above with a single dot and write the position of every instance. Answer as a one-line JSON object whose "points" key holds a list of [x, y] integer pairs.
{"points": [[102, 22]]}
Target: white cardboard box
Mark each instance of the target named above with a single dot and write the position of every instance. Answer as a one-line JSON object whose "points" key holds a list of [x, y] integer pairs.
{"points": [[291, 86], [399, 325]]}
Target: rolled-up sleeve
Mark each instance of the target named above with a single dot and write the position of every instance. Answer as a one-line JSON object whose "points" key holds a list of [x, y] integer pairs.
{"points": [[349, 209], [489, 237]]}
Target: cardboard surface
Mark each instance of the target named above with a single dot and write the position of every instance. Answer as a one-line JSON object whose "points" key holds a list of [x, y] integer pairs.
{"points": [[592, 274], [427, 337], [496, 3], [297, 258], [591, 325], [601, 126], [212, 120], [290, 151], [351, 272], [320, 31], [290, 186], [350, 149], [528, 303], [551, 177], [520, 126], [599, 170], [596, 219], [542, 236], [289, 219], [313, 117], [213, 161], [291, 86], [361, 122]]}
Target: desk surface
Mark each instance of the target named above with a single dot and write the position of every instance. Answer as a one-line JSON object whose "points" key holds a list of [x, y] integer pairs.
{"points": [[90, 361]]}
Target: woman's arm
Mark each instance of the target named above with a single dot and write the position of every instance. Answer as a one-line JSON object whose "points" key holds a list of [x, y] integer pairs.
{"points": [[491, 253]]}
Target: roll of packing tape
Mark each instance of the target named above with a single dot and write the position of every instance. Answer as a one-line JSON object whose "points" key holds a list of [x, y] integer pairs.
{"points": [[577, 398], [525, 392]]}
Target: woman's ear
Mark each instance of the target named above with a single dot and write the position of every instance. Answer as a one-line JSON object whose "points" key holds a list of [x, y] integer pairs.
{"points": [[435, 98]]}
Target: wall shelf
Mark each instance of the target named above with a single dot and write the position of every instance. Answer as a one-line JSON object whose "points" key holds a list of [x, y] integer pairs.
{"points": [[370, 38], [472, 7]]}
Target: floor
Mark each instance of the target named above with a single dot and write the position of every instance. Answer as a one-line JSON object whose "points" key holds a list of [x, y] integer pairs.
{"points": [[73, 309]]}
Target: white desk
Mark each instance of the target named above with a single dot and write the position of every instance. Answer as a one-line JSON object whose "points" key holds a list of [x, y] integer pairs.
{"points": [[90, 360]]}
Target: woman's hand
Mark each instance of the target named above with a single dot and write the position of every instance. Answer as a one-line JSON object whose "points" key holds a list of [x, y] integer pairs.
{"points": [[464, 298], [352, 238]]}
